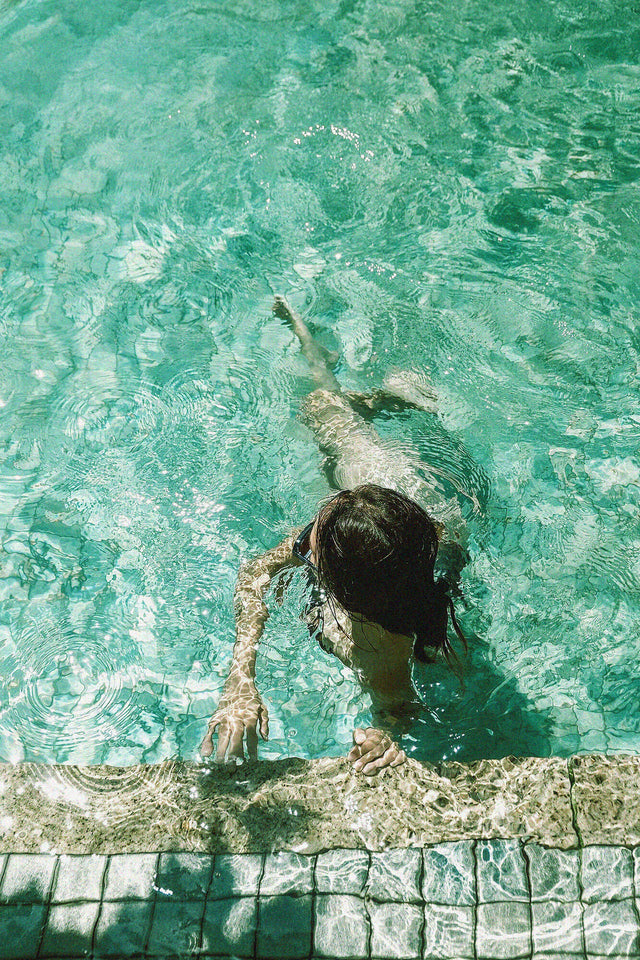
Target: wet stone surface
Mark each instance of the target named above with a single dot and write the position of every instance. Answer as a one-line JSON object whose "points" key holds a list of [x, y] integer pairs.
{"points": [[208, 808]]}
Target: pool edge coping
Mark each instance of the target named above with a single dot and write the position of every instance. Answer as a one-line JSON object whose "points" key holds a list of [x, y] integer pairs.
{"points": [[310, 806]]}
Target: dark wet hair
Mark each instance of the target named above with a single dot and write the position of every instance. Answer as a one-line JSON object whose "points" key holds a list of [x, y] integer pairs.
{"points": [[375, 554]]}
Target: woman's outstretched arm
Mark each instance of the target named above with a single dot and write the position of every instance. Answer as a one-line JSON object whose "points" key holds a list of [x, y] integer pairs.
{"points": [[242, 712]]}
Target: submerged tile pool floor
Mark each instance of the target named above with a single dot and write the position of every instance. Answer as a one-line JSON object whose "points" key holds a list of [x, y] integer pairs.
{"points": [[466, 899], [497, 860]]}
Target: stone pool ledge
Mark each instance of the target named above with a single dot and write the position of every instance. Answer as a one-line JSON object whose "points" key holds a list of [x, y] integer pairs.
{"points": [[311, 806]]}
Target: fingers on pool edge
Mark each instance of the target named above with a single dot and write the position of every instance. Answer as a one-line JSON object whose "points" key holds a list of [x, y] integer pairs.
{"points": [[264, 725], [224, 735], [379, 763], [252, 743]]}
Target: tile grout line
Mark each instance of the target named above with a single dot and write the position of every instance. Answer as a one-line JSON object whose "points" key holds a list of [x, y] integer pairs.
{"points": [[314, 890], [365, 900], [47, 904], [103, 889], [152, 912], [634, 904], [527, 869], [263, 867], [205, 901], [474, 932], [576, 827], [423, 902]]}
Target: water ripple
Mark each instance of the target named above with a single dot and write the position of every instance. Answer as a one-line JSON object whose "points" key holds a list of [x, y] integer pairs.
{"points": [[67, 687]]}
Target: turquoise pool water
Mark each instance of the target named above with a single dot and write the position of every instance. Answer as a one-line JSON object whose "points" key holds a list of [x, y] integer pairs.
{"points": [[443, 187]]}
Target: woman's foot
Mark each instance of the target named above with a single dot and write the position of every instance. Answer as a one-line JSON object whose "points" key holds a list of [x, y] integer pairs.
{"points": [[316, 357], [282, 310]]}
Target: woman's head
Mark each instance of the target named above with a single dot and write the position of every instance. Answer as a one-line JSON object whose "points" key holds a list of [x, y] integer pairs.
{"points": [[375, 551]]}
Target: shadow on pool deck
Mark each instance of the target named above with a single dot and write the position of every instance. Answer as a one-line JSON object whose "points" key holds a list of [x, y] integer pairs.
{"points": [[223, 917]]}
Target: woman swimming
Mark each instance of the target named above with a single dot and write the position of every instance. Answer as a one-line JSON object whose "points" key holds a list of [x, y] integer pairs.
{"points": [[370, 552]]}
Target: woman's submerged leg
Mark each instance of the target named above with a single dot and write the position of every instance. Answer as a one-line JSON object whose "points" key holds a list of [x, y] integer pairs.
{"points": [[320, 372], [356, 452]]}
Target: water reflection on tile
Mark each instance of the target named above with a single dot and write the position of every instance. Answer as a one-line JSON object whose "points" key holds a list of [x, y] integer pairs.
{"points": [[607, 873], [611, 928], [235, 875], [261, 907], [448, 931], [342, 871], [503, 931], [286, 873], [449, 873], [341, 927], [395, 875], [557, 924], [554, 873], [501, 871]]}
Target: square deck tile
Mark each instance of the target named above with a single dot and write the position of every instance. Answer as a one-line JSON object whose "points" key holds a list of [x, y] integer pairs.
{"points": [[69, 930], [396, 930], [131, 876], [176, 928], [449, 874], [563, 956], [607, 873], [235, 876], [123, 928], [554, 873], [611, 928], [286, 873], [501, 871], [448, 932], [341, 927], [284, 927], [184, 876], [635, 853], [503, 931], [27, 878], [79, 878], [229, 927], [342, 871], [557, 924], [21, 926], [395, 875]]}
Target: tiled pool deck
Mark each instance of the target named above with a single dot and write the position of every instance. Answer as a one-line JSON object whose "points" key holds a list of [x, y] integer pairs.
{"points": [[467, 899], [499, 875]]}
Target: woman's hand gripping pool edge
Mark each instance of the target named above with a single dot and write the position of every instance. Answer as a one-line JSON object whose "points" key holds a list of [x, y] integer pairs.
{"points": [[374, 750], [241, 713]]}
